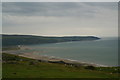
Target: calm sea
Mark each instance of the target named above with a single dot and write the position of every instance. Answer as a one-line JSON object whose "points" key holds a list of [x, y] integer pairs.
{"points": [[103, 51]]}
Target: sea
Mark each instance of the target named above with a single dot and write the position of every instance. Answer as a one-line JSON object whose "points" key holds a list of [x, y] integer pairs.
{"points": [[101, 52]]}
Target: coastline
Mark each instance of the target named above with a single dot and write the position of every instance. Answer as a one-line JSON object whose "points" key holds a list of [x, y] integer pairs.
{"points": [[59, 60], [51, 59]]}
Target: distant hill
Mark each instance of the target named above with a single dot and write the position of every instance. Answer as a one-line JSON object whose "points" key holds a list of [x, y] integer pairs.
{"points": [[11, 40]]}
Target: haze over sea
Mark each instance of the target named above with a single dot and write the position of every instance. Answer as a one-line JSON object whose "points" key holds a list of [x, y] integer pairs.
{"points": [[103, 51]]}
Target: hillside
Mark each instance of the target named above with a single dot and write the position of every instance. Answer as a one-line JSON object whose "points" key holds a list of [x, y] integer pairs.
{"points": [[20, 67], [11, 40]]}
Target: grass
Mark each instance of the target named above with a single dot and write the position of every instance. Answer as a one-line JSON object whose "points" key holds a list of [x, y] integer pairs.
{"points": [[20, 67]]}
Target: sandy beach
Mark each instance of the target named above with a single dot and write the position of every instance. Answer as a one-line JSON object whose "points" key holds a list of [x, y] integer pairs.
{"points": [[50, 59], [57, 60]]}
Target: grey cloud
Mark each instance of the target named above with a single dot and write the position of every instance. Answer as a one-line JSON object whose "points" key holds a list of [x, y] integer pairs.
{"points": [[60, 1], [53, 9], [76, 18], [109, 5]]}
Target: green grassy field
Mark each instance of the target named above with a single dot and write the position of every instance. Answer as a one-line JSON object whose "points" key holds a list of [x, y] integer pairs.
{"points": [[20, 67]]}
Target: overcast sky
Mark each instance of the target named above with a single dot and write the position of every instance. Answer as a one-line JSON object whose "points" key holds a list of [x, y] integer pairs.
{"points": [[59, 0], [61, 18]]}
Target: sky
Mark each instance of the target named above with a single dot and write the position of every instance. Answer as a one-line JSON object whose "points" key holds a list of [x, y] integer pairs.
{"points": [[59, 0], [60, 18]]}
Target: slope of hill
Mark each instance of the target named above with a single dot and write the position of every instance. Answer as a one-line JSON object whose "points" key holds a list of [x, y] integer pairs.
{"points": [[21, 67], [10, 40]]}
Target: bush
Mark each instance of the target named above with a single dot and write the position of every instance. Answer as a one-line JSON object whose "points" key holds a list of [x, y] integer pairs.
{"points": [[90, 67], [32, 63]]}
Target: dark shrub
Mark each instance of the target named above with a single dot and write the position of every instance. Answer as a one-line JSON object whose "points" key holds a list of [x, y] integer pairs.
{"points": [[90, 67], [32, 63]]}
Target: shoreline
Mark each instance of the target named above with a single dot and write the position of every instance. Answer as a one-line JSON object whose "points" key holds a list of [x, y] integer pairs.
{"points": [[51, 59]]}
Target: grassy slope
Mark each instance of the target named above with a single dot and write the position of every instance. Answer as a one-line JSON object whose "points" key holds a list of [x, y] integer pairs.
{"points": [[20, 67]]}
